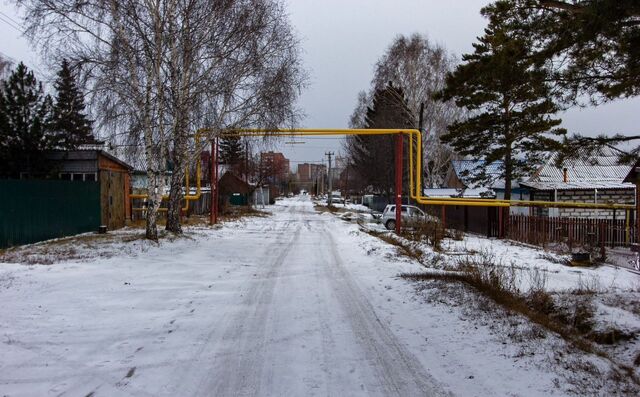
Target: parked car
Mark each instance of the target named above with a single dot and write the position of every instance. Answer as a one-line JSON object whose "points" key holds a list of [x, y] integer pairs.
{"points": [[411, 215]]}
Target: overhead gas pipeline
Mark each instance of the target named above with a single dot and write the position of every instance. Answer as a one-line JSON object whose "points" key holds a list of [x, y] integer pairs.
{"points": [[415, 167]]}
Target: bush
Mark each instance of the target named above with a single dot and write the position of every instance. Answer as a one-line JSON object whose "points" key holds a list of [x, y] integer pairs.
{"points": [[430, 232]]}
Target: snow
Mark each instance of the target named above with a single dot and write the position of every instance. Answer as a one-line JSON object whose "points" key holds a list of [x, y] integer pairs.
{"points": [[348, 206], [560, 277], [298, 303]]}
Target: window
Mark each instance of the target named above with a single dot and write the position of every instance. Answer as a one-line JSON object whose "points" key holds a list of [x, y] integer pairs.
{"points": [[65, 176], [78, 177], [90, 177]]}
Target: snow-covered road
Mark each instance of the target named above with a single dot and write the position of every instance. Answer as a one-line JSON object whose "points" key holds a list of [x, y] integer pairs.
{"points": [[296, 304]]}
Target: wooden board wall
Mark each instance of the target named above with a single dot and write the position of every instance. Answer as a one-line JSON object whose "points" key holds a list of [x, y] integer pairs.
{"points": [[112, 199]]}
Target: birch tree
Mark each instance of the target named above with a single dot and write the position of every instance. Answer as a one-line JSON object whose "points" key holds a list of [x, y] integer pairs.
{"points": [[234, 64], [159, 69]]}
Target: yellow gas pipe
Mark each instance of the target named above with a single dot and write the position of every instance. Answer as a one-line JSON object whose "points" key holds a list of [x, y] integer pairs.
{"points": [[415, 183]]}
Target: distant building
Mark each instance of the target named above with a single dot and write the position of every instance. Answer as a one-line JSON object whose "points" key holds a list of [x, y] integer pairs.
{"points": [[277, 163], [276, 171], [310, 172], [311, 177]]}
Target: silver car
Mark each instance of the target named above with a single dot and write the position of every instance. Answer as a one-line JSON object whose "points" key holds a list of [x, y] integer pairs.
{"points": [[411, 215]]}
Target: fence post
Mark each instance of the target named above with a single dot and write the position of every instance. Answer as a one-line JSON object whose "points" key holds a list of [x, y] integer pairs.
{"points": [[602, 240]]}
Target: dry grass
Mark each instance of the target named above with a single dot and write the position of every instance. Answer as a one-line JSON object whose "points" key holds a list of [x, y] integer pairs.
{"points": [[89, 246], [408, 250], [571, 318], [76, 248], [429, 232], [570, 315], [324, 208], [243, 212]]}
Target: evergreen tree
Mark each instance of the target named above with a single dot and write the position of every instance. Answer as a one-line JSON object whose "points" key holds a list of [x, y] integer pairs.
{"points": [[70, 124], [25, 117], [231, 150], [373, 157], [593, 45], [593, 48], [509, 102]]}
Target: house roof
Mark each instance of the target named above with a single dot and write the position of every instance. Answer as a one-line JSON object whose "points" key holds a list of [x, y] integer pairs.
{"points": [[462, 193], [632, 175], [467, 170], [600, 170], [81, 154]]}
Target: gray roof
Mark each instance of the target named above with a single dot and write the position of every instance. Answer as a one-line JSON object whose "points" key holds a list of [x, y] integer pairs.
{"points": [[88, 158], [467, 170], [463, 193], [598, 171]]}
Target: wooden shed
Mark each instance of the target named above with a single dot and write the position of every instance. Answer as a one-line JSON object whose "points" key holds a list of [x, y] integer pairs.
{"points": [[112, 174], [233, 190]]}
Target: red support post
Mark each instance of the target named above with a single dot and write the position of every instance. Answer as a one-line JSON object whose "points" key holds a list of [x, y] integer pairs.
{"points": [[637, 214], [398, 191], [217, 186], [213, 176]]}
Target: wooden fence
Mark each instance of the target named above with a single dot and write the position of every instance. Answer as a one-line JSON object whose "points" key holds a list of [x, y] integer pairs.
{"points": [[574, 232]]}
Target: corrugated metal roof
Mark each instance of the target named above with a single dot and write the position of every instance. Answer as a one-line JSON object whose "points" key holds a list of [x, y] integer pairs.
{"points": [[464, 193], [467, 170], [579, 185], [597, 171]]}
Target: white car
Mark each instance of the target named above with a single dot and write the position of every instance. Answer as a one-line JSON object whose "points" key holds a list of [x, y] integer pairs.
{"points": [[411, 215]]}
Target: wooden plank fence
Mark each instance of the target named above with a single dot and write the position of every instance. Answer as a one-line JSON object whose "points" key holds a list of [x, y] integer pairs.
{"points": [[574, 232]]}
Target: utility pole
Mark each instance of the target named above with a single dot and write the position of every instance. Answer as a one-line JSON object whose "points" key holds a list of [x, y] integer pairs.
{"points": [[329, 154]]}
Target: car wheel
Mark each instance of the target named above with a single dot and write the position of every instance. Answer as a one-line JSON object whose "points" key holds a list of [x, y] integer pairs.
{"points": [[390, 225]]}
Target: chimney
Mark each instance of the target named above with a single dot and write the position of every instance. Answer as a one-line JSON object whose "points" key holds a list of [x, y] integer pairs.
{"points": [[565, 178]]}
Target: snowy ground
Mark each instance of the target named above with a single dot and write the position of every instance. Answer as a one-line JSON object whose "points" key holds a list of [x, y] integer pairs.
{"points": [[299, 303]]}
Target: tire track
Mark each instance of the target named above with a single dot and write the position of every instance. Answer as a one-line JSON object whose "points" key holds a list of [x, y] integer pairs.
{"points": [[239, 363], [398, 370]]}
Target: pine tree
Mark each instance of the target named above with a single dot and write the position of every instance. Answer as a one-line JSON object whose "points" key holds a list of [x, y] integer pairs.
{"points": [[70, 123], [593, 48], [509, 101], [373, 157], [231, 150], [25, 118], [593, 44]]}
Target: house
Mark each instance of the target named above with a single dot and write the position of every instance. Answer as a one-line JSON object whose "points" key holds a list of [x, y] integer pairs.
{"points": [[140, 181], [596, 178], [462, 175]]}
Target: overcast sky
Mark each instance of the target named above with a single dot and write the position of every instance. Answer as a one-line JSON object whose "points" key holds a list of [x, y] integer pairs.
{"points": [[341, 41]]}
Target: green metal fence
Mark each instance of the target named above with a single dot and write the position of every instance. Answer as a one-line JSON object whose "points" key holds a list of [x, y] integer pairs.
{"points": [[37, 210]]}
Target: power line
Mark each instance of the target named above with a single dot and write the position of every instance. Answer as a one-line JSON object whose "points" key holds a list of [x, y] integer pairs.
{"points": [[9, 23], [10, 18]]}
